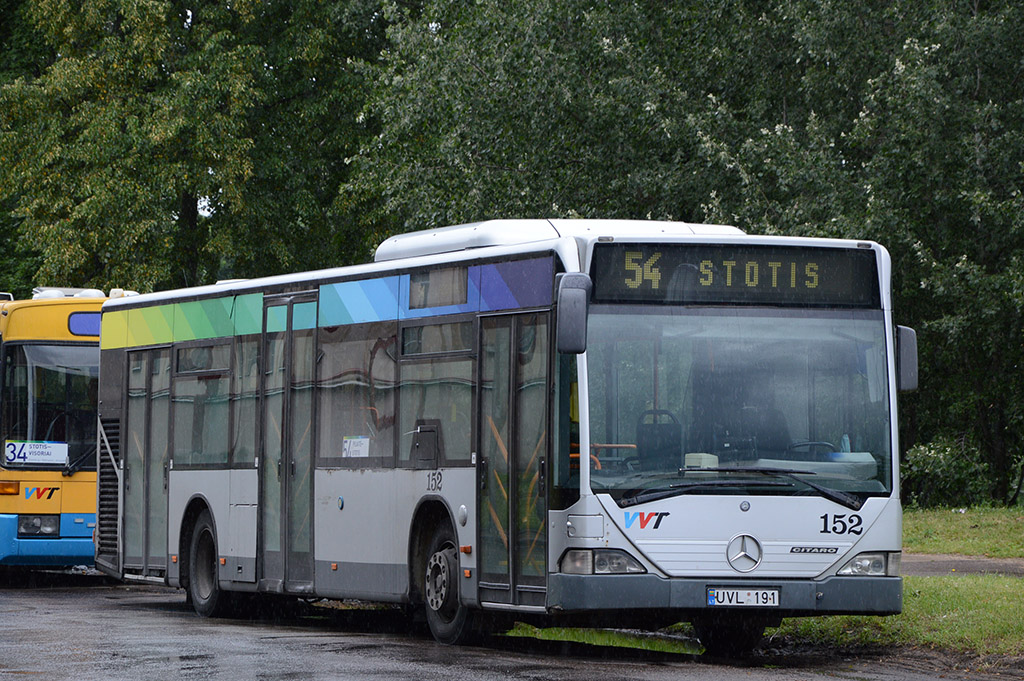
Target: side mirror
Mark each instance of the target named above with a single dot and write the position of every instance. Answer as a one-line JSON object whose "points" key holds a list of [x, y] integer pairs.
{"points": [[906, 359], [573, 302]]}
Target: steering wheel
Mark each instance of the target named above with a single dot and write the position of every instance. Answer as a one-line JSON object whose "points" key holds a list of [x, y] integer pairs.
{"points": [[68, 418], [656, 413], [630, 464], [811, 444]]}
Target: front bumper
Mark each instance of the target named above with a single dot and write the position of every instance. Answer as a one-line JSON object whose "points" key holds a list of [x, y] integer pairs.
{"points": [[829, 596]]}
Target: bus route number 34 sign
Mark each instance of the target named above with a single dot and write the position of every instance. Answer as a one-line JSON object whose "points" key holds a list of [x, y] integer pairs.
{"points": [[18, 452]]}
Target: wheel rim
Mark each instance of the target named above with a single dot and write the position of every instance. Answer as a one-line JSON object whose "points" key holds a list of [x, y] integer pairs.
{"points": [[205, 577], [439, 586]]}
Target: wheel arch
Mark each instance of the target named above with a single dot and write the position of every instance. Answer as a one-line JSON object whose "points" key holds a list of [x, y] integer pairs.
{"points": [[429, 514], [195, 506]]}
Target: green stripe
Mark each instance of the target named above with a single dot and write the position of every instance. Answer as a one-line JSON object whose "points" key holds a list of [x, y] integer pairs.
{"points": [[177, 322]]}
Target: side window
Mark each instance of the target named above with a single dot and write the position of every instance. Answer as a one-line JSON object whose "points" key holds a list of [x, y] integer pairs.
{"points": [[433, 339], [356, 381], [201, 398], [245, 385], [438, 288], [436, 393], [565, 488], [15, 402], [436, 399]]}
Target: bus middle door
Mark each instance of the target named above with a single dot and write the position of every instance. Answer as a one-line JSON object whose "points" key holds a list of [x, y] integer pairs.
{"points": [[286, 463]]}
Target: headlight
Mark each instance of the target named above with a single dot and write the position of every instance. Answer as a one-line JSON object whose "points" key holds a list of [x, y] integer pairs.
{"points": [[600, 562], [880, 564], [38, 525]]}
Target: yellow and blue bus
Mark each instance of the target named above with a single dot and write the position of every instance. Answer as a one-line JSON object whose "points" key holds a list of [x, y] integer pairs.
{"points": [[49, 375]]}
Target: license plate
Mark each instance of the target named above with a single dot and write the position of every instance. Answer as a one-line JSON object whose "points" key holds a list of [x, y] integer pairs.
{"points": [[743, 597]]}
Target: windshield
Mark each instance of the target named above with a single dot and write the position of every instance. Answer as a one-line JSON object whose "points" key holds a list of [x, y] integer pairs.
{"points": [[692, 401], [49, 405]]}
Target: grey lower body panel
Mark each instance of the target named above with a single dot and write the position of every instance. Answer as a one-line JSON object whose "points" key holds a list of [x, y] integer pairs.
{"points": [[369, 581], [830, 596]]}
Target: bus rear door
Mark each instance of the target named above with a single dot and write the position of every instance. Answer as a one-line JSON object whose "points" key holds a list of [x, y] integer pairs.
{"points": [[289, 324]]}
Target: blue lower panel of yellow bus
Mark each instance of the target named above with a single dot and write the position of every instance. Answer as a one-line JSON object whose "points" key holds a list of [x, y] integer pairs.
{"points": [[74, 548]]}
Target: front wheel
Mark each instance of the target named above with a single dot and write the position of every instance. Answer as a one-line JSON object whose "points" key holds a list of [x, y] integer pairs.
{"points": [[204, 591], [450, 621]]}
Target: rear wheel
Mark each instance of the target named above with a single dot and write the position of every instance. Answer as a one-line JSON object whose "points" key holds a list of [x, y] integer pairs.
{"points": [[204, 591], [449, 621], [729, 635]]}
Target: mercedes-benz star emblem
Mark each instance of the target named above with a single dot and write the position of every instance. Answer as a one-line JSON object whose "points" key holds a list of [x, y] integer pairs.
{"points": [[744, 553]]}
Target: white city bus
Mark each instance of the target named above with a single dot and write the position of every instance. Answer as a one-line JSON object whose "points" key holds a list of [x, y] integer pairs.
{"points": [[560, 420]]}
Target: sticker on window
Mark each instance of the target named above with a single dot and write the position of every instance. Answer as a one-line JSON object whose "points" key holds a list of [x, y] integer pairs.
{"points": [[356, 446]]}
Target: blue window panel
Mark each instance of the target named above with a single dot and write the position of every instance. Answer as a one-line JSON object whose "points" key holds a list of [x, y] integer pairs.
{"points": [[358, 302], [277, 318], [304, 316], [84, 323], [516, 284]]}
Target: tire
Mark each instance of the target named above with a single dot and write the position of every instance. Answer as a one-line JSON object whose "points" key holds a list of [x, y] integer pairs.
{"points": [[204, 591], [729, 635], [450, 622]]}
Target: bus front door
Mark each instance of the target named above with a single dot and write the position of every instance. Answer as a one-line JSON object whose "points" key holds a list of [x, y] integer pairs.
{"points": [[286, 467], [513, 446]]}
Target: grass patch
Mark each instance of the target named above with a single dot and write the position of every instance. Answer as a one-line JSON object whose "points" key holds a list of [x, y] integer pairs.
{"points": [[605, 637], [978, 531], [978, 614]]}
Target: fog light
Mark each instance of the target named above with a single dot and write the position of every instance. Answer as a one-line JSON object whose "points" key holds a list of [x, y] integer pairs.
{"points": [[872, 565], [578, 562], [38, 525], [600, 562]]}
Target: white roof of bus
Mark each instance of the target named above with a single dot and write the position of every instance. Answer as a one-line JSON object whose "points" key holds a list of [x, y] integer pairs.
{"points": [[455, 243], [512, 232]]}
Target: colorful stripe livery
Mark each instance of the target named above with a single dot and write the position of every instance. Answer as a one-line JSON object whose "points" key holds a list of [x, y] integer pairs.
{"points": [[491, 287]]}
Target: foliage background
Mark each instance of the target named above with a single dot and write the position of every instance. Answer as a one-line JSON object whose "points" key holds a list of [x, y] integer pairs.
{"points": [[160, 143]]}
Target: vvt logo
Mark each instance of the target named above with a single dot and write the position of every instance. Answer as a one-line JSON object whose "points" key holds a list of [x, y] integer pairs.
{"points": [[645, 519], [40, 491]]}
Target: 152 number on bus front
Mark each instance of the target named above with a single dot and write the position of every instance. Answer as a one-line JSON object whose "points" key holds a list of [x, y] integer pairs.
{"points": [[841, 523]]}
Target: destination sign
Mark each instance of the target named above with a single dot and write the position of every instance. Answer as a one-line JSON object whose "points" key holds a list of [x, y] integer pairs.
{"points": [[741, 275]]}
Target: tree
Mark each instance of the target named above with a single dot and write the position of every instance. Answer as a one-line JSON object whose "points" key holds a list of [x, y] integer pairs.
{"points": [[20, 56], [894, 122], [172, 143], [540, 108]]}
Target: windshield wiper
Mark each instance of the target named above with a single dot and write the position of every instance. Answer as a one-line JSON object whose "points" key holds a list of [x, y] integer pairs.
{"points": [[72, 466], [851, 501], [634, 497]]}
